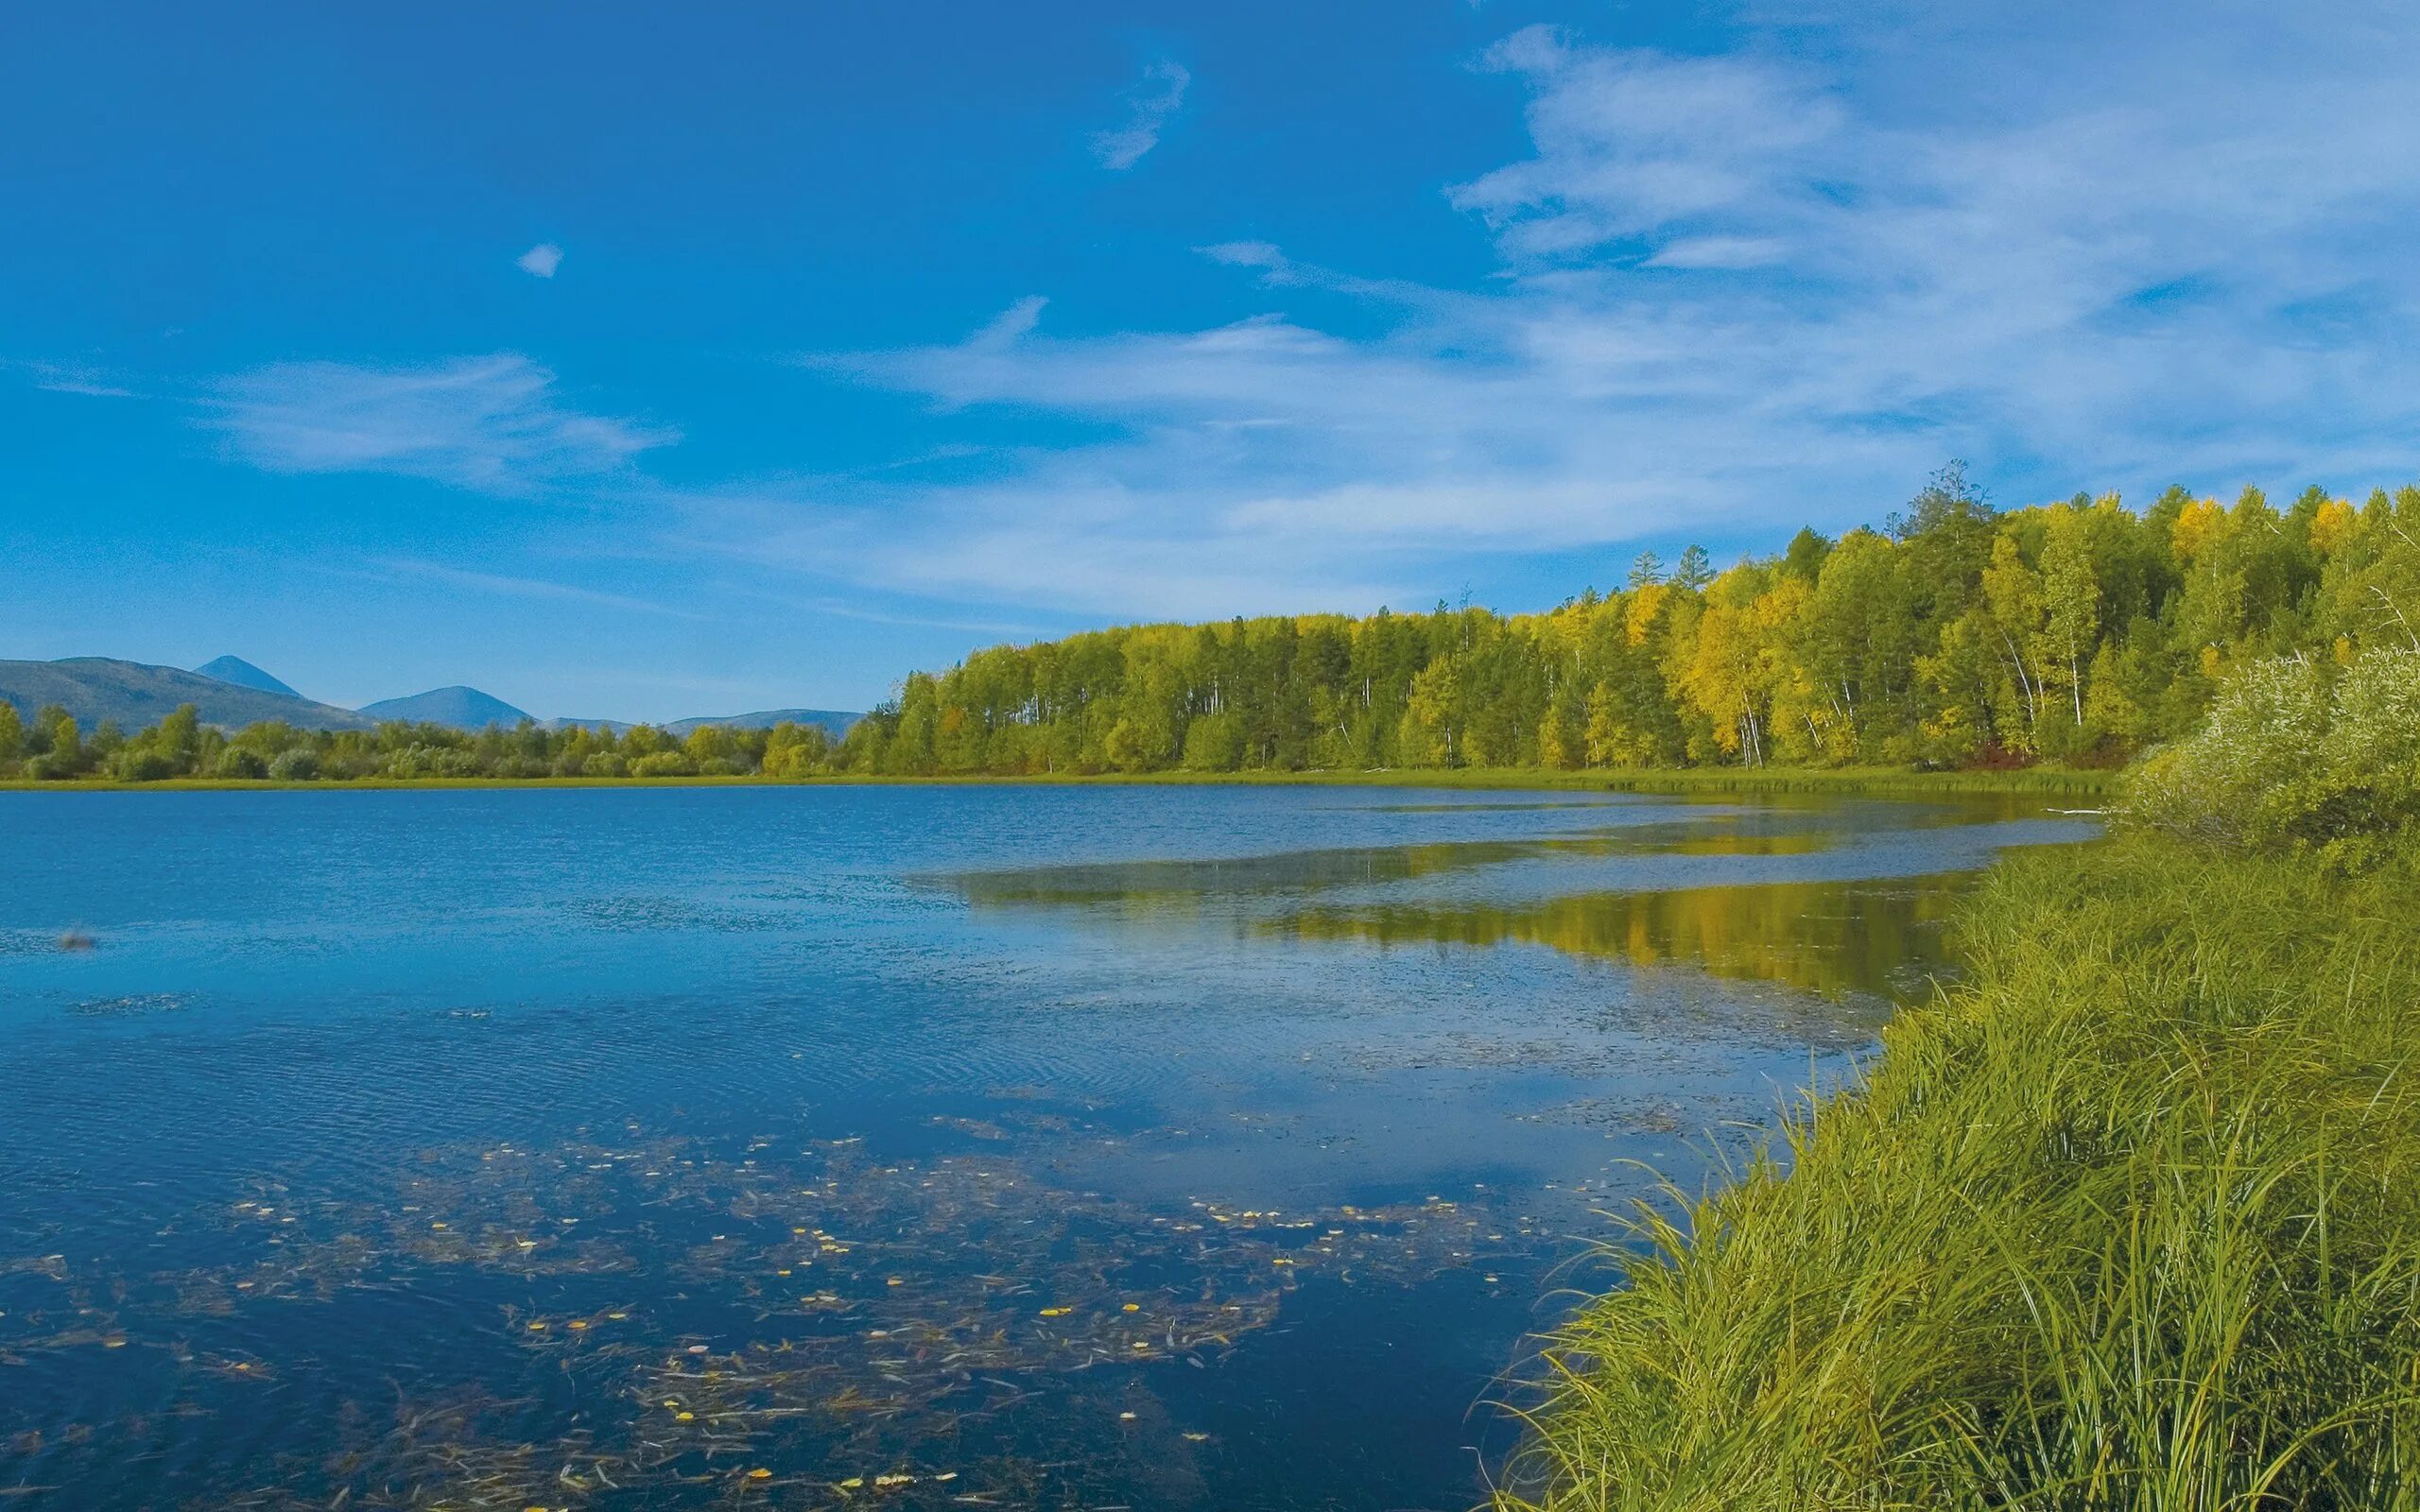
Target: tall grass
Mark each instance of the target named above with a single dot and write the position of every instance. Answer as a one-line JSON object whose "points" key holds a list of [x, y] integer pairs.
{"points": [[2130, 1220]]}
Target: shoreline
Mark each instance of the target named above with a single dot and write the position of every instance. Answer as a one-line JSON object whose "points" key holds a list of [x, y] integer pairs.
{"points": [[1848, 782]]}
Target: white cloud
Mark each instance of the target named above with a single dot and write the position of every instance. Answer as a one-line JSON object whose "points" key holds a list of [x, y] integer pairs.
{"points": [[1151, 104], [541, 260], [492, 424], [529, 587], [71, 378], [1736, 294]]}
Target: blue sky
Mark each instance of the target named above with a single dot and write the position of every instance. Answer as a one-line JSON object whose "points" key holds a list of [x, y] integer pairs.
{"points": [[646, 362]]}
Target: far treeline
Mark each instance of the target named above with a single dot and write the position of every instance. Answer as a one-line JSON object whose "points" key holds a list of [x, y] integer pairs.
{"points": [[50, 747], [1956, 635]]}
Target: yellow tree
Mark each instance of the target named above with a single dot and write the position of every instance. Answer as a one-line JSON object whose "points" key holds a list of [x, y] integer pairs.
{"points": [[2070, 598]]}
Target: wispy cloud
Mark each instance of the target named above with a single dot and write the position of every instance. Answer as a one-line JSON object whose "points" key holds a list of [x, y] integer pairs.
{"points": [[72, 378], [541, 261], [1151, 104], [1635, 144], [528, 586], [492, 424], [1734, 291]]}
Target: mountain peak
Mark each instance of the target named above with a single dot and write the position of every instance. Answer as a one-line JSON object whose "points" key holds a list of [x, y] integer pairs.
{"points": [[243, 674], [461, 706]]}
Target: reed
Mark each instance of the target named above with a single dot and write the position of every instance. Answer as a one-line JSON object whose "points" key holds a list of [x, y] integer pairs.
{"points": [[2130, 1219]]}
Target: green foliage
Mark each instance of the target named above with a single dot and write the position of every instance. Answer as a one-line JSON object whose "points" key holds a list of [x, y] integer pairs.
{"points": [[2297, 754], [296, 764], [664, 763], [2131, 1221], [240, 763], [2078, 631], [137, 764], [181, 747]]}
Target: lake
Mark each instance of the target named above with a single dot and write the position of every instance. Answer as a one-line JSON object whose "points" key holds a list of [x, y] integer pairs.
{"points": [[1185, 1147]]}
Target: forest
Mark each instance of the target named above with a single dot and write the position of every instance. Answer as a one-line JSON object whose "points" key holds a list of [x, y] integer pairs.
{"points": [[49, 746], [1954, 635]]}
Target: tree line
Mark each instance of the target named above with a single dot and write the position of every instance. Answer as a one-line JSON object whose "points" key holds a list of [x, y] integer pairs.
{"points": [[50, 746], [1954, 635]]}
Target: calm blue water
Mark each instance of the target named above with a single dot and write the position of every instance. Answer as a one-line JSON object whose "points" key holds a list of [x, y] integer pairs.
{"points": [[997, 1146]]}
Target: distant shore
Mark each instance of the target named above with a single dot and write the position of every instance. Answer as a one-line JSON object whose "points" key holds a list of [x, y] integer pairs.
{"points": [[1683, 781]]}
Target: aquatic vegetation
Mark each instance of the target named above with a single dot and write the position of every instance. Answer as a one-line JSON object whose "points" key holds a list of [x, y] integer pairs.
{"points": [[514, 1150], [817, 1321]]}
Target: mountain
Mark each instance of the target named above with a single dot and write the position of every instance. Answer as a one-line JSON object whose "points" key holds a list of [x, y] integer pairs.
{"points": [[97, 688], [231, 693], [462, 708], [243, 674], [830, 719]]}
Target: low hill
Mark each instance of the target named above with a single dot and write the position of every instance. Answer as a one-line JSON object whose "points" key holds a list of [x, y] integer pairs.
{"points": [[458, 707], [134, 694], [243, 674], [832, 720]]}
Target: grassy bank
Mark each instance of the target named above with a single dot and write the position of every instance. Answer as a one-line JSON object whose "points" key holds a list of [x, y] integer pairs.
{"points": [[2131, 1220], [1709, 781]]}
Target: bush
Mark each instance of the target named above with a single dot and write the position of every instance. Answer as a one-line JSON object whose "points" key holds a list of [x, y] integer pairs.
{"points": [[605, 764], [421, 760], [296, 764], [2295, 756], [664, 764], [142, 766], [247, 765]]}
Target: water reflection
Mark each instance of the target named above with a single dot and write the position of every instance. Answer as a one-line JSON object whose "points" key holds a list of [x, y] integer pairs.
{"points": [[920, 1148], [1142, 885], [1828, 937]]}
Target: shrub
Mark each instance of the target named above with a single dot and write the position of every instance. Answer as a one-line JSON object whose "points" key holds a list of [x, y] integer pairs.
{"points": [[236, 761], [142, 766], [297, 764], [432, 761], [664, 764], [2295, 756], [605, 764]]}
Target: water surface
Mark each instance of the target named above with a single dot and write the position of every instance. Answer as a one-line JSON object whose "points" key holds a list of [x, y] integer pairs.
{"points": [[995, 1146]]}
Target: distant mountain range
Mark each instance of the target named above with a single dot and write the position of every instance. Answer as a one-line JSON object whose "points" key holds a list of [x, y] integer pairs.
{"points": [[230, 692], [831, 719], [96, 688]]}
